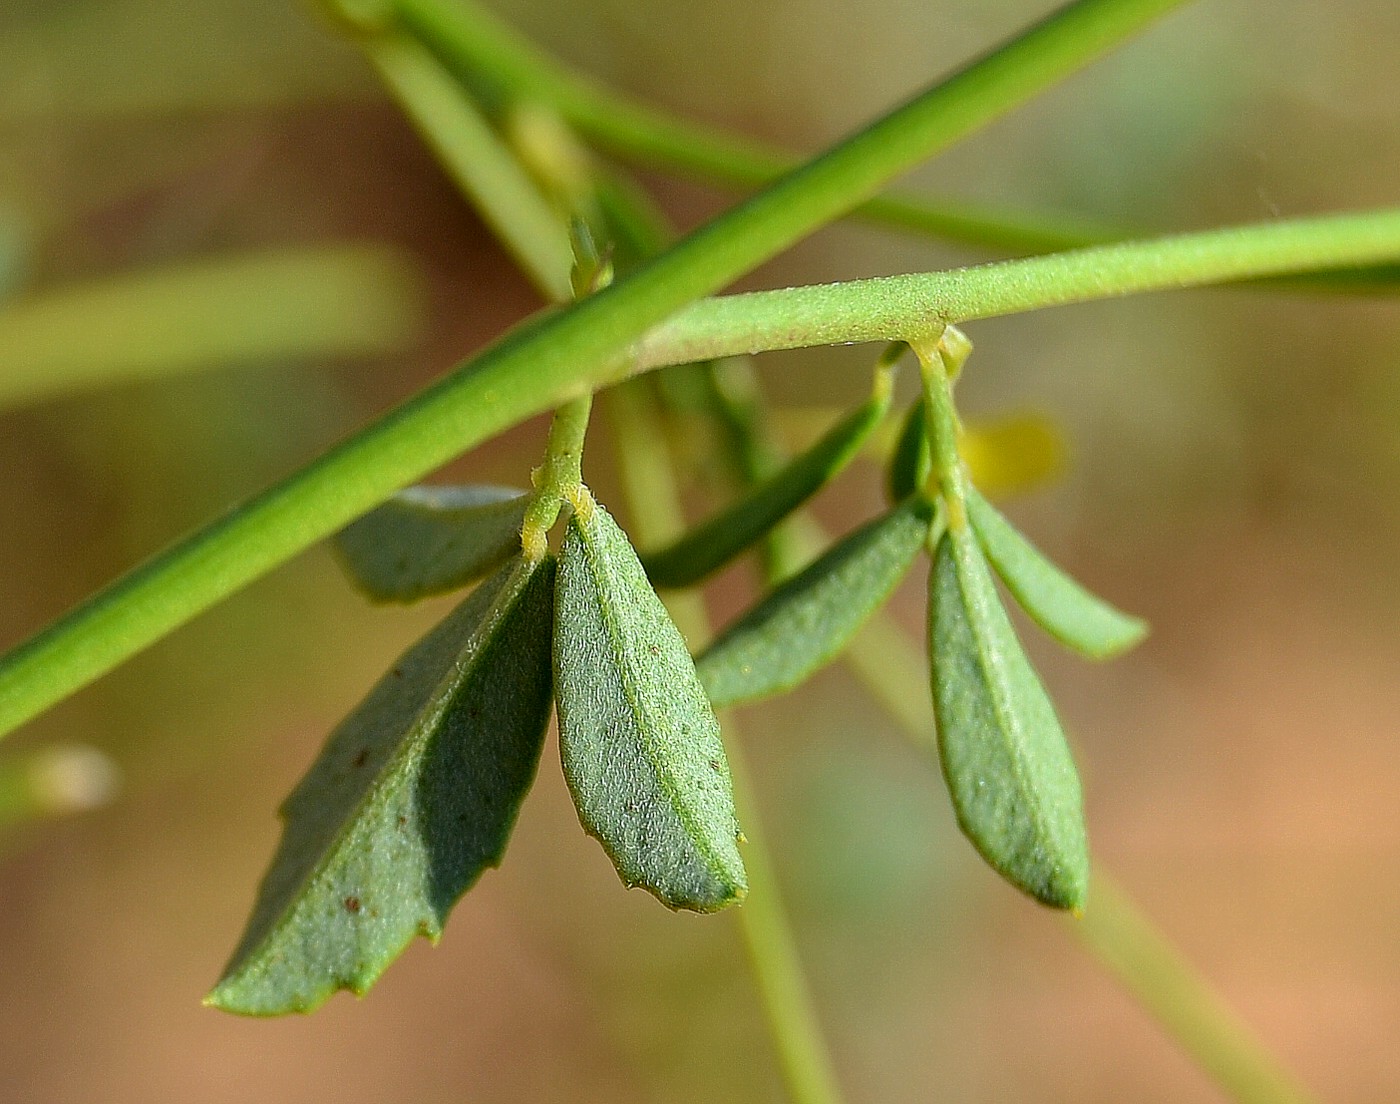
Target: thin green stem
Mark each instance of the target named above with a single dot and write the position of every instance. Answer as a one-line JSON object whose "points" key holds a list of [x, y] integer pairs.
{"points": [[942, 421], [477, 161], [786, 1000], [540, 364], [910, 306], [559, 478], [1152, 970], [476, 44]]}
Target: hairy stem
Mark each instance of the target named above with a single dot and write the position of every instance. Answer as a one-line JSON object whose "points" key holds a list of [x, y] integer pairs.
{"points": [[906, 307]]}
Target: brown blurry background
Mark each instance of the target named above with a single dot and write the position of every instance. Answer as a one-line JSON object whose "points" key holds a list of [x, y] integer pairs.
{"points": [[1235, 476]]}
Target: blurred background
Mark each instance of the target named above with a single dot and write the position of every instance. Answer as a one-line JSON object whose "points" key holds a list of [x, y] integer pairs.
{"points": [[1235, 458]]}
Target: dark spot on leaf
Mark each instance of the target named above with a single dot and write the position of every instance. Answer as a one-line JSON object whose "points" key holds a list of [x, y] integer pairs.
{"points": [[398, 672], [716, 766], [361, 758], [352, 904], [403, 820]]}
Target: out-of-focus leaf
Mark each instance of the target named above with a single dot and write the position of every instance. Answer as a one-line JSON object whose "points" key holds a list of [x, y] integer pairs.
{"points": [[714, 543], [413, 797], [639, 740], [1059, 605], [430, 540], [1013, 783], [347, 300], [910, 461], [806, 622]]}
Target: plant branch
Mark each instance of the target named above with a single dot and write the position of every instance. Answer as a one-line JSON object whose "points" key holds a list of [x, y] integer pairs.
{"points": [[891, 308], [1204, 1026], [540, 364], [476, 160]]}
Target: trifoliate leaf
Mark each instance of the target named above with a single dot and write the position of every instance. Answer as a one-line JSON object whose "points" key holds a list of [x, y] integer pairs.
{"points": [[640, 743], [910, 461], [413, 796], [804, 623], [1009, 771], [431, 540], [1056, 603], [714, 543]]}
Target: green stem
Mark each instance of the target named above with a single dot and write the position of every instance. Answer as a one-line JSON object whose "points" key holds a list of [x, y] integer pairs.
{"points": [[475, 43], [942, 420], [1150, 968], [787, 1004], [541, 364], [477, 161], [559, 478], [903, 307]]}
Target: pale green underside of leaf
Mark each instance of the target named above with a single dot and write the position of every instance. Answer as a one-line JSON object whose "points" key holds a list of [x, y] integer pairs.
{"points": [[413, 796], [639, 740], [806, 622], [431, 540], [1013, 783], [1059, 605], [712, 544]]}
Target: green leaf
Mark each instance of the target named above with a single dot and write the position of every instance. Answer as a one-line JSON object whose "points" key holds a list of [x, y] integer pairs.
{"points": [[714, 543], [806, 622], [412, 798], [910, 461], [640, 743], [430, 540], [1008, 767], [1056, 603]]}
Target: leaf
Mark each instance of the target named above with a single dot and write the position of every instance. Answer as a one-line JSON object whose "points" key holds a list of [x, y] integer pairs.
{"points": [[910, 461], [1009, 771], [1056, 603], [806, 622], [412, 798], [712, 544], [430, 540], [640, 743]]}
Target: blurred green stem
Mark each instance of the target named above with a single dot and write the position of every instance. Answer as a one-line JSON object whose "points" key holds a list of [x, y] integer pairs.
{"points": [[476, 44], [654, 508], [1153, 971], [242, 308]]}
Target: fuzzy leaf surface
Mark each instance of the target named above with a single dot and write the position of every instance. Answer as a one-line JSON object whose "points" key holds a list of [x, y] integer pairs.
{"points": [[639, 740], [712, 544], [806, 621], [1014, 786], [430, 540], [412, 798], [1059, 605]]}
